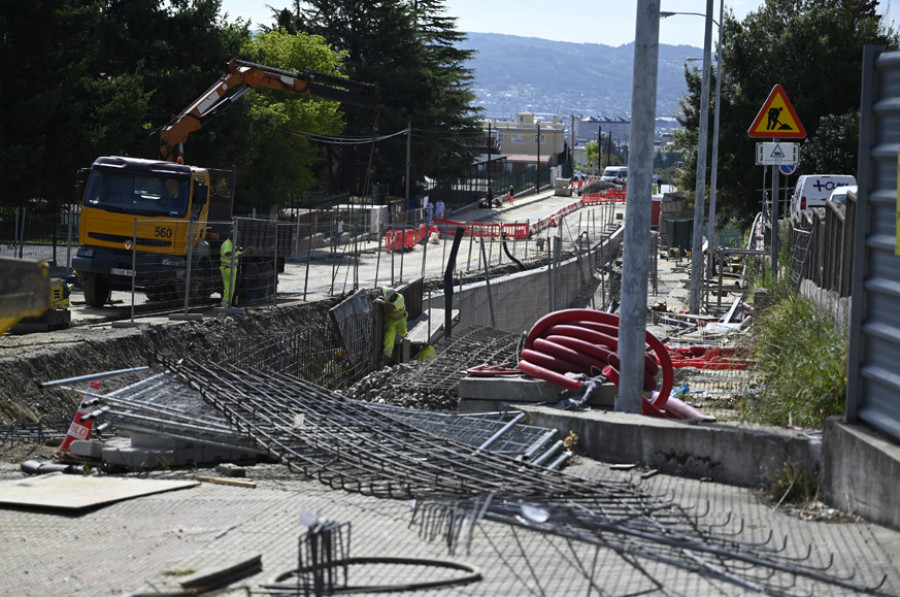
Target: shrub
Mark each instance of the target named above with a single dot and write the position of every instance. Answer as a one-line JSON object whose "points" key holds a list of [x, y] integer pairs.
{"points": [[803, 364]]}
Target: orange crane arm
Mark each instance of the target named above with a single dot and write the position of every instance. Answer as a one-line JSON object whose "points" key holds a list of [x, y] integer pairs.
{"points": [[243, 76]]}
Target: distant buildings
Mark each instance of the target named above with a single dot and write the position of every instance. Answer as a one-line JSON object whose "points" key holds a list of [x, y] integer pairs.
{"points": [[586, 129], [516, 144], [528, 140]]}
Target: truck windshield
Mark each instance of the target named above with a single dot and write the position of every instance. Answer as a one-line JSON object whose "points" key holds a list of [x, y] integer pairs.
{"points": [[138, 194]]}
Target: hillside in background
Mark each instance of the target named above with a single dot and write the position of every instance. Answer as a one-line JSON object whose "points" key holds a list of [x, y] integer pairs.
{"points": [[515, 73]]}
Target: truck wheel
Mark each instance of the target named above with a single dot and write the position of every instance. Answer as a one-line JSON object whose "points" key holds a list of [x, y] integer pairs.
{"points": [[96, 292]]}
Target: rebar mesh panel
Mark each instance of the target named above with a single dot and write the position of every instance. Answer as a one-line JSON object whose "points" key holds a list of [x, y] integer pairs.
{"points": [[349, 445], [474, 346], [471, 430]]}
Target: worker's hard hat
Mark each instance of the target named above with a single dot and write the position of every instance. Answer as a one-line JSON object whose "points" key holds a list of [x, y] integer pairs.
{"points": [[388, 292]]}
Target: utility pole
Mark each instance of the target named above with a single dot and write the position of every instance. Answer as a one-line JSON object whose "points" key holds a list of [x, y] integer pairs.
{"points": [[489, 163], [408, 158], [608, 146], [572, 145], [599, 147], [537, 186], [635, 261]]}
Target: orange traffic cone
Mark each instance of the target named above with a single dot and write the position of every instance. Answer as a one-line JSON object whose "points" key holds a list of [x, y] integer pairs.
{"points": [[80, 428]]}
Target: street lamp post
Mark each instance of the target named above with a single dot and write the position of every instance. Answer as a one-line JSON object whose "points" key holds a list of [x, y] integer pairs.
{"points": [[700, 189], [713, 232], [537, 182]]}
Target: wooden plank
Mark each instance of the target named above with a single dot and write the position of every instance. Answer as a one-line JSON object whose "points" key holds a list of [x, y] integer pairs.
{"points": [[228, 481]]}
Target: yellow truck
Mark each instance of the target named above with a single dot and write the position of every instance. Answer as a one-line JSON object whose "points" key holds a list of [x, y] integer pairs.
{"points": [[146, 224]]}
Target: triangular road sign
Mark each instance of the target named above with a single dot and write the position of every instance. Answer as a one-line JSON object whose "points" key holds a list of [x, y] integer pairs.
{"points": [[777, 118]]}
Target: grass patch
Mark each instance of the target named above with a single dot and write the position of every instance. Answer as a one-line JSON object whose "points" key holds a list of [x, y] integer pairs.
{"points": [[802, 361], [793, 486], [185, 572]]}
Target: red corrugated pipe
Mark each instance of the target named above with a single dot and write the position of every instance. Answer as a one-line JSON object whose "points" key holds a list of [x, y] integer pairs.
{"points": [[585, 341]]}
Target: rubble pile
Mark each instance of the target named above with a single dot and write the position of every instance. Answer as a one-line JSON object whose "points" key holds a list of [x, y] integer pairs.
{"points": [[391, 385]]}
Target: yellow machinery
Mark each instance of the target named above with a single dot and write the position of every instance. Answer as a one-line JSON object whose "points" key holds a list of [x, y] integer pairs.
{"points": [[30, 300]]}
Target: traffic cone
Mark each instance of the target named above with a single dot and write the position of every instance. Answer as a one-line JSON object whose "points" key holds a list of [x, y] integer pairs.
{"points": [[80, 428]]}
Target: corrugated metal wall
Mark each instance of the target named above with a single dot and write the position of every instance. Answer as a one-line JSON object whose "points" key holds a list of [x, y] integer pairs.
{"points": [[873, 390]]}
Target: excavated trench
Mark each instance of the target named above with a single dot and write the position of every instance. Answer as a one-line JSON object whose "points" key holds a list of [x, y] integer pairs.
{"points": [[27, 361]]}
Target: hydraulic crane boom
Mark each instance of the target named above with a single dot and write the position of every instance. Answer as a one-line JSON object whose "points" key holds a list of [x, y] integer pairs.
{"points": [[243, 76]]}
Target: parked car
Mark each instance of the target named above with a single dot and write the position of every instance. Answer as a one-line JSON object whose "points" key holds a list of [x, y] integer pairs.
{"points": [[813, 190], [617, 174], [840, 193]]}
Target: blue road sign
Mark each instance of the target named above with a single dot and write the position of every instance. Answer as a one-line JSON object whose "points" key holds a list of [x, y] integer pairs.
{"points": [[788, 169]]}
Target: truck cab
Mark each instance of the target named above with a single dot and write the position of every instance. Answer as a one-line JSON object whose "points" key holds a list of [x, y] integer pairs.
{"points": [[140, 221]]}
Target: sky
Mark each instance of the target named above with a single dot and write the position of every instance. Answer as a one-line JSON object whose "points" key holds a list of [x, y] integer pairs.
{"points": [[582, 21]]}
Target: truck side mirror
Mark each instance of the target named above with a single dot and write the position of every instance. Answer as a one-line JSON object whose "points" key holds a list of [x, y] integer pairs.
{"points": [[81, 176], [200, 196]]}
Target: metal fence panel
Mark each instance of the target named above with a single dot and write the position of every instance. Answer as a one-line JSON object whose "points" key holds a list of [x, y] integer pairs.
{"points": [[873, 388]]}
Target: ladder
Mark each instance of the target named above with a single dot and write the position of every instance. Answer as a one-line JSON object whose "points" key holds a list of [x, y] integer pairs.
{"points": [[800, 256]]}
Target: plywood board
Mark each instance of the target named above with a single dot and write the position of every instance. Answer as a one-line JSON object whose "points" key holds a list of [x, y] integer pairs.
{"points": [[75, 492]]}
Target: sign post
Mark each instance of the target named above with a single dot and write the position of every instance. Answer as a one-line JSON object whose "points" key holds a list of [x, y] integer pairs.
{"points": [[776, 120]]}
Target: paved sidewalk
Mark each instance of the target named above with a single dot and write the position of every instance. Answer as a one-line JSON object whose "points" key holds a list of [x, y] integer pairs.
{"points": [[150, 545]]}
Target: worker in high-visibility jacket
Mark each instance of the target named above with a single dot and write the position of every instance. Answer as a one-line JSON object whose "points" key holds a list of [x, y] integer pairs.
{"points": [[228, 265], [394, 318]]}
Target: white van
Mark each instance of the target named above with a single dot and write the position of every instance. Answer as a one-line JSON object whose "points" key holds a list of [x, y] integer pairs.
{"points": [[617, 174], [813, 190]]}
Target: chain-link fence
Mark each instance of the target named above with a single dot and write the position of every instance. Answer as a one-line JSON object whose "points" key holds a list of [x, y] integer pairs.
{"points": [[36, 235]]}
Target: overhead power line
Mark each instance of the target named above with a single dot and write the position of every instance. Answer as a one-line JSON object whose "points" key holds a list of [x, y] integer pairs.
{"points": [[340, 139]]}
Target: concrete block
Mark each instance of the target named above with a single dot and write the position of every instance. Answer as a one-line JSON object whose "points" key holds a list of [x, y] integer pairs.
{"points": [[146, 451], [86, 448], [136, 458], [490, 394], [508, 388], [738, 455], [186, 316], [861, 472]]}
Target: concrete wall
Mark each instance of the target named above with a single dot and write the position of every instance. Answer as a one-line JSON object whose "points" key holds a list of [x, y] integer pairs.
{"points": [[531, 288], [735, 455], [861, 472]]}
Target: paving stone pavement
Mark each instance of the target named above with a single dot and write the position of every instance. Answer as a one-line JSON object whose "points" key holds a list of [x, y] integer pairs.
{"points": [[148, 545]]}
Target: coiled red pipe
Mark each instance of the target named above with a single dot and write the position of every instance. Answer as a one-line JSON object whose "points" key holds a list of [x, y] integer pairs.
{"points": [[585, 341]]}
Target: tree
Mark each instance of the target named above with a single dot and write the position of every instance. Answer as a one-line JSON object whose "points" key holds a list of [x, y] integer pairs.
{"points": [[410, 51], [88, 78], [813, 48], [592, 153], [835, 146], [57, 110], [278, 157]]}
